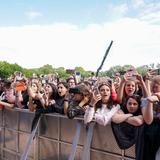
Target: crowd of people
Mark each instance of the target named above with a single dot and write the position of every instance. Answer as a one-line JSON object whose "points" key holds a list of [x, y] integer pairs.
{"points": [[130, 103]]}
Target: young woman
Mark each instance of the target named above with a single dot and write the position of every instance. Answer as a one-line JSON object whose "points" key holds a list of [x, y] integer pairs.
{"points": [[130, 85], [151, 114], [42, 100], [76, 106], [102, 107], [131, 113], [8, 97], [127, 125]]}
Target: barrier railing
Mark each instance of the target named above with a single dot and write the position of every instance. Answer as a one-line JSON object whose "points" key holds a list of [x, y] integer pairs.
{"points": [[57, 137]]}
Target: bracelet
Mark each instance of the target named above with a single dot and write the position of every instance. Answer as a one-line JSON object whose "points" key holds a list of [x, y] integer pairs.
{"points": [[66, 100], [147, 78], [90, 105]]}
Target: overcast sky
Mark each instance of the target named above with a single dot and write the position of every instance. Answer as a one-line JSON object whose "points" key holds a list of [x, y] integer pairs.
{"points": [[70, 33]]}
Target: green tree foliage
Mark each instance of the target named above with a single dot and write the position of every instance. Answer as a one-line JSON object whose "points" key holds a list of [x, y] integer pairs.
{"points": [[7, 69], [61, 71], [46, 69]]}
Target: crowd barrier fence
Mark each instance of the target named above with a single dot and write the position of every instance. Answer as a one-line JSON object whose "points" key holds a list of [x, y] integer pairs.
{"points": [[57, 138]]}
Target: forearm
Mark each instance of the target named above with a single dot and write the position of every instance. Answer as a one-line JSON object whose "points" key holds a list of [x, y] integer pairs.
{"points": [[135, 120], [7, 104], [120, 92], [147, 113], [104, 119], [89, 114], [31, 106], [30, 92], [119, 118], [144, 89], [148, 86], [66, 104]]}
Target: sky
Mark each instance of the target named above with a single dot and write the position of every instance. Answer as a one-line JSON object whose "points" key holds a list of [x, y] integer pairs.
{"points": [[70, 33]]}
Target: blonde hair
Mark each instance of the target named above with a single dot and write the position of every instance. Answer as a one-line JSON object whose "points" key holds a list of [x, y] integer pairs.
{"points": [[156, 80]]}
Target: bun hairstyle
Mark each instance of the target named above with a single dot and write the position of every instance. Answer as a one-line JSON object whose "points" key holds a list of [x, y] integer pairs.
{"points": [[106, 83]]}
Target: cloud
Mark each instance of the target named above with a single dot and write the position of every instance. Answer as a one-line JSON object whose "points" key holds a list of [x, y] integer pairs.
{"points": [[138, 3], [33, 14], [146, 11], [116, 12], [152, 17], [135, 42]]}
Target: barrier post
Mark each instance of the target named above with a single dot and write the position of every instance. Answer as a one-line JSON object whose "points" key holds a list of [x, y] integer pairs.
{"points": [[75, 140], [86, 148], [31, 137]]}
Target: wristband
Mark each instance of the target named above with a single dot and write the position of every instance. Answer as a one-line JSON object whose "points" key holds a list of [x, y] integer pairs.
{"points": [[90, 105], [66, 100]]}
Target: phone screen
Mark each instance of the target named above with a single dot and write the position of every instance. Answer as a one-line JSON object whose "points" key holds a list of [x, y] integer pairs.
{"points": [[156, 71], [96, 90], [20, 86]]}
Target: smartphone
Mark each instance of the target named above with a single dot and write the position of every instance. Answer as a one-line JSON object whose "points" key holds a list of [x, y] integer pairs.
{"points": [[131, 74], [156, 71], [96, 91], [20, 86]]}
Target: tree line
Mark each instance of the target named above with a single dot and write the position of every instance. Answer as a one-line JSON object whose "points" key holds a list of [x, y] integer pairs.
{"points": [[7, 69]]}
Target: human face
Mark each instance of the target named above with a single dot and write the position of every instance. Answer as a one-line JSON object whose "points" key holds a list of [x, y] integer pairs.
{"points": [[130, 87], [34, 87], [105, 93], [62, 90], [71, 83], [48, 89], [132, 105], [156, 88]]}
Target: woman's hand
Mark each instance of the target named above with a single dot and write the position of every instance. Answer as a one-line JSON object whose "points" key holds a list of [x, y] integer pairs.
{"points": [[95, 98]]}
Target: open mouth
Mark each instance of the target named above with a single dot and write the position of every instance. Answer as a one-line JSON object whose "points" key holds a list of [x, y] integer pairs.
{"points": [[59, 93]]}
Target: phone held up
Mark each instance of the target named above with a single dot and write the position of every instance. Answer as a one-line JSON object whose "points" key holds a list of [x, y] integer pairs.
{"points": [[96, 90], [156, 71]]}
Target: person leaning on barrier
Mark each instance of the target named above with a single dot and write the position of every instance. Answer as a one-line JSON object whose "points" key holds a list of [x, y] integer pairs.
{"points": [[8, 98], [43, 99], [101, 107], [127, 125], [76, 106], [151, 113], [56, 105], [37, 96]]}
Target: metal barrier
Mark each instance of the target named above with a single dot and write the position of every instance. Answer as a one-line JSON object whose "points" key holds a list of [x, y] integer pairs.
{"points": [[57, 138]]}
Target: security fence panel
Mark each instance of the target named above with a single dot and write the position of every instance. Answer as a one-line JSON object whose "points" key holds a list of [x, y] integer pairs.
{"points": [[11, 119], [56, 138], [48, 149], [65, 151], [103, 139], [49, 127]]}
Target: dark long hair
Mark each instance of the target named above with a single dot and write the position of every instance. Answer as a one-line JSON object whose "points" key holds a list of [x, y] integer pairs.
{"points": [[138, 99], [110, 102]]}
